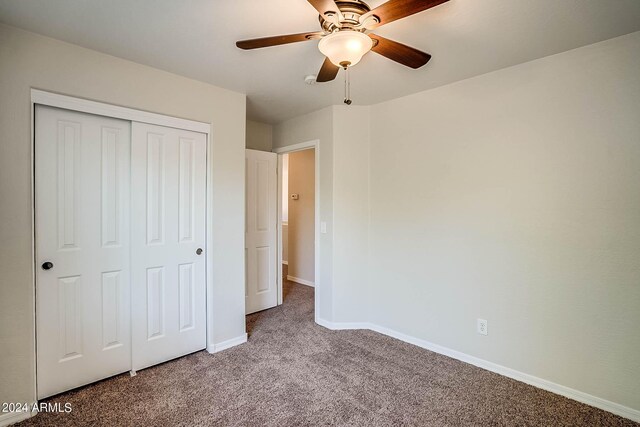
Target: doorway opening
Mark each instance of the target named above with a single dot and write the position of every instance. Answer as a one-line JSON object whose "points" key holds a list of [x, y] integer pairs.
{"points": [[282, 197], [297, 220]]}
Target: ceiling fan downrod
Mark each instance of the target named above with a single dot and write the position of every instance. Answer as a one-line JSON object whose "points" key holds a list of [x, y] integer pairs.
{"points": [[347, 87]]}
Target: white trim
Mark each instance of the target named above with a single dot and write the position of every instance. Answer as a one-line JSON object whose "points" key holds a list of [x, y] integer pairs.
{"points": [[279, 225], [15, 417], [93, 107], [301, 281], [215, 348], [282, 225], [34, 255], [341, 326], [580, 396], [315, 145], [297, 147], [328, 325], [108, 110], [209, 242]]}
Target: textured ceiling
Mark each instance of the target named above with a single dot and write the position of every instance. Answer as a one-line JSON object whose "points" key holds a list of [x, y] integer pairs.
{"points": [[195, 38]]}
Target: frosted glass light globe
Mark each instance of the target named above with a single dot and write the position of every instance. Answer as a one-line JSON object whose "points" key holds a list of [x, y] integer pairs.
{"points": [[345, 48]]}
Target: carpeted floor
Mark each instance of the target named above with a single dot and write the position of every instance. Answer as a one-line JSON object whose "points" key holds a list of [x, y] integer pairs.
{"points": [[294, 372]]}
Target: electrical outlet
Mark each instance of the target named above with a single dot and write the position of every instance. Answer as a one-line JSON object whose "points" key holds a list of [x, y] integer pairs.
{"points": [[483, 327]]}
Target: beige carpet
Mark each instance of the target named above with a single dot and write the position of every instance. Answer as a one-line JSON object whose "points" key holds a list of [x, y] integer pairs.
{"points": [[294, 372]]}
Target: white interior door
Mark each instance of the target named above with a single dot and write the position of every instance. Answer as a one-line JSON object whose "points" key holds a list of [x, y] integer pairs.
{"points": [[168, 187], [260, 240], [82, 248]]}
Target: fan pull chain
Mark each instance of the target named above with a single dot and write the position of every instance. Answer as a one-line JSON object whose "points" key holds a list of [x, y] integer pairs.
{"points": [[347, 86]]}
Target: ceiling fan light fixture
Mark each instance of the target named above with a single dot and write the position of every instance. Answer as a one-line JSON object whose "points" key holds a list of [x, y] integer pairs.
{"points": [[345, 48]]}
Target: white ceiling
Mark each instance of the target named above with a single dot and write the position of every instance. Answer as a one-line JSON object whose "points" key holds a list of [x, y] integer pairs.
{"points": [[196, 38]]}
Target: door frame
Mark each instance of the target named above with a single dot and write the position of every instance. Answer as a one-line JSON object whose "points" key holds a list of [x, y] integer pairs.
{"points": [[41, 97], [315, 145]]}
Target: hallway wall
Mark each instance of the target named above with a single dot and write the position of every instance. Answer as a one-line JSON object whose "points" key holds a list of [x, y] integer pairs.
{"points": [[301, 229]]}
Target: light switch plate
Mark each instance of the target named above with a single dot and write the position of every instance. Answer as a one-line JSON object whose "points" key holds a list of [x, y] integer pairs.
{"points": [[323, 227], [483, 327]]}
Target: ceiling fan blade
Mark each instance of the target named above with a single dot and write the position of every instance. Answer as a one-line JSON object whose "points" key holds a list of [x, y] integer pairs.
{"points": [[399, 52], [278, 40], [397, 9], [328, 72], [324, 6]]}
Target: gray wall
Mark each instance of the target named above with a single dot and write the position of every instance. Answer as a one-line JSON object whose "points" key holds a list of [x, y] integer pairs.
{"points": [[32, 61], [515, 197], [351, 292], [259, 136], [344, 159]]}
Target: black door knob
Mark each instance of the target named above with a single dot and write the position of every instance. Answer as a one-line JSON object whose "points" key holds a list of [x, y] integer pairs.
{"points": [[47, 265], [198, 251]]}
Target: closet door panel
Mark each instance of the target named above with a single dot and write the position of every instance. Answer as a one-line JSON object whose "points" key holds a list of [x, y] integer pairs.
{"points": [[168, 237], [82, 165]]}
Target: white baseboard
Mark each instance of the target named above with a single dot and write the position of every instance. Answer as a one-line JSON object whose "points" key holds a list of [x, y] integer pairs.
{"points": [[215, 348], [340, 326], [300, 281], [9, 418], [600, 403]]}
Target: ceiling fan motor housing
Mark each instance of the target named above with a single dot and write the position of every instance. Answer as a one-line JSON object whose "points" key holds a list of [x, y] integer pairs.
{"points": [[351, 11]]}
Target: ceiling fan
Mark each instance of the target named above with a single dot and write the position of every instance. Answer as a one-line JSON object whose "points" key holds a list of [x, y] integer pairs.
{"points": [[344, 39]]}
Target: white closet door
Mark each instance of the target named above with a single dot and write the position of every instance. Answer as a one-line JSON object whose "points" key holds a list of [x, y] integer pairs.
{"points": [[168, 187], [82, 248], [261, 240]]}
